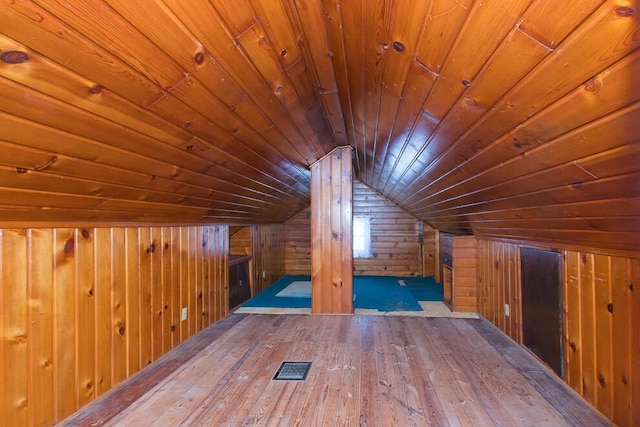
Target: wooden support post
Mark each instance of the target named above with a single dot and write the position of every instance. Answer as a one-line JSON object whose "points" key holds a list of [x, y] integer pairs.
{"points": [[331, 221]]}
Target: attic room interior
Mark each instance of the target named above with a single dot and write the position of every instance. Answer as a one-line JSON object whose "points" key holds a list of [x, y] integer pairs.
{"points": [[163, 161]]}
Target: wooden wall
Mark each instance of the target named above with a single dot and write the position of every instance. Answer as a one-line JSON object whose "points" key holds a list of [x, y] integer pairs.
{"points": [[394, 239], [465, 275], [239, 240], [267, 262], [602, 322], [85, 308], [297, 243], [331, 228]]}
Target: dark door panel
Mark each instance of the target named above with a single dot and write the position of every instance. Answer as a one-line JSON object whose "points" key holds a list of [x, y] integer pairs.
{"points": [[542, 306]]}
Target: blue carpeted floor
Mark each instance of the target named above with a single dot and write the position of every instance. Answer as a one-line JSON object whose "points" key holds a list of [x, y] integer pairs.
{"points": [[380, 293]]}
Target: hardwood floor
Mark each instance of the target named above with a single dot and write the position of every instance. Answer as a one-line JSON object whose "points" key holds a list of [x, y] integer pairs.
{"points": [[366, 370]]}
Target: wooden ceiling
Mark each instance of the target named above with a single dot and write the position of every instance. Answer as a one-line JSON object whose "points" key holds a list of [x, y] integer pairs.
{"points": [[505, 118]]}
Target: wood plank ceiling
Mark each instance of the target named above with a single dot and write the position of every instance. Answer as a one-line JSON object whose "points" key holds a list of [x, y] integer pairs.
{"points": [[505, 118]]}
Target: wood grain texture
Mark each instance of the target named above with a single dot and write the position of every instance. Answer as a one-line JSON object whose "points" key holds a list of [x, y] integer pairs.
{"points": [[467, 115], [598, 327], [365, 369], [331, 230], [88, 307], [395, 239]]}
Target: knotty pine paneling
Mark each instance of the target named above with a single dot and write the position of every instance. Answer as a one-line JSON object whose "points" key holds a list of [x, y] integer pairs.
{"points": [[394, 239], [240, 240], [464, 274], [297, 243], [331, 228], [85, 308], [600, 320], [268, 251], [265, 244]]}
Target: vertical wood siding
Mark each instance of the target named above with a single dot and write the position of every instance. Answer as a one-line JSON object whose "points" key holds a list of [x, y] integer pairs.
{"points": [[601, 322], [267, 242], [465, 276], [394, 239], [83, 309], [331, 223]]}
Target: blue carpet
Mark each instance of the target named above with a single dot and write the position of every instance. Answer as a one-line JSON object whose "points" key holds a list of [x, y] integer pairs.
{"points": [[380, 293]]}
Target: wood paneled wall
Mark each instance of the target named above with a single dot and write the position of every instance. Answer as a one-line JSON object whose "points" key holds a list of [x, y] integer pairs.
{"points": [[297, 243], [331, 228], [395, 236], [239, 240], [465, 274], [85, 308], [394, 239], [267, 261], [601, 321]]}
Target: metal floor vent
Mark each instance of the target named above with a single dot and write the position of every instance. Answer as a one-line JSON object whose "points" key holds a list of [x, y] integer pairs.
{"points": [[293, 371]]}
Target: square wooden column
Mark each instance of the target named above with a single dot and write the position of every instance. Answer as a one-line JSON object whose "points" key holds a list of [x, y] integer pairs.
{"points": [[331, 222]]}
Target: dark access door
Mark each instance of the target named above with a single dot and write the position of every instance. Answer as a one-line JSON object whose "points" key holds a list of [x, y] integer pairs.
{"points": [[542, 306]]}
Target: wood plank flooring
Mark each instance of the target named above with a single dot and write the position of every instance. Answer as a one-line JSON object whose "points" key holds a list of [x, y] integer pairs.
{"points": [[366, 371]]}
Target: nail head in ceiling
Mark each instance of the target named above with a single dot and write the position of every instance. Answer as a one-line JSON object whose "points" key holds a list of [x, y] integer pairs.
{"points": [[14, 57], [466, 83]]}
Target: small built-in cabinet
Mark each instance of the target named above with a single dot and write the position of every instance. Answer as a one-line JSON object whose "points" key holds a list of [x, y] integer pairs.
{"points": [[239, 284], [458, 259]]}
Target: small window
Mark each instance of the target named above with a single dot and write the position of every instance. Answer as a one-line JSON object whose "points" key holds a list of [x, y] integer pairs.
{"points": [[361, 237]]}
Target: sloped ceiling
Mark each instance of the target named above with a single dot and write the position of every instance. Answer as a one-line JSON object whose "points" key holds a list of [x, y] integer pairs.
{"points": [[505, 118]]}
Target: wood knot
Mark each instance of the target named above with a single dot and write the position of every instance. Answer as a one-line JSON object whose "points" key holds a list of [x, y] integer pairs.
{"points": [[22, 170], [121, 330], [14, 57], [96, 89], [166, 246], [187, 125], [573, 347], [625, 381], [610, 308], [19, 339], [89, 385], [151, 249], [625, 11], [85, 233], [68, 246], [584, 258], [173, 328], [90, 293], [198, 58], [601, 381], [592, 85]]}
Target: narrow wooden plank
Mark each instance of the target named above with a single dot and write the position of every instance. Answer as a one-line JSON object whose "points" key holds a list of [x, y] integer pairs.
{"points": [[166, 248], [132, 325], [119, 327], [15, 351], [622, 340], [155, 253], [184, 281], [145, 285], [64, 364], [604, 324], [40, 325], [104, 278], [176, 286], [588, 332], [85, 300], [194, 285]]}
